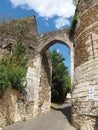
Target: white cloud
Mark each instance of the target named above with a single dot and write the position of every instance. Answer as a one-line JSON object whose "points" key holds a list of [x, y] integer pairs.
{"points": [[60, 22], [48, 8]]}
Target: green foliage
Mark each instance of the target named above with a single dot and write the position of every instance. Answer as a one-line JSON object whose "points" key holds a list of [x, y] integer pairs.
{"points": [[60, 78], [75, 2], [78, 129], [73, 24], [13, 69]]}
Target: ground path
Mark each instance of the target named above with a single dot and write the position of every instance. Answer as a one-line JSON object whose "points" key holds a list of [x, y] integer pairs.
{"points": [[56, 119]]}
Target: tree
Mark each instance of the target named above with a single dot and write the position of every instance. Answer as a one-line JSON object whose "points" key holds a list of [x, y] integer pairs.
{"points": [[60, 78]]}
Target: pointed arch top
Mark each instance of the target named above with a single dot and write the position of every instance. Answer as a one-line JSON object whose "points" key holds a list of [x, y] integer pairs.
{"points": [[49, 38]]}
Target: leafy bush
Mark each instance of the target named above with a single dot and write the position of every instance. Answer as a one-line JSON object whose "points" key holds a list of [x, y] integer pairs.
{"points": [[13, 69]]}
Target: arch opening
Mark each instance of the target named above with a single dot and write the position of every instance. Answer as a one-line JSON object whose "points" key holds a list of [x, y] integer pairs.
{"points": [[61, 78], [45, 80], [68, 44], [52, 42]]}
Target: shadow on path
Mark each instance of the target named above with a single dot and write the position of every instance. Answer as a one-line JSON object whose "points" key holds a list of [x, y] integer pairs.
{"points": [[66, 110]]}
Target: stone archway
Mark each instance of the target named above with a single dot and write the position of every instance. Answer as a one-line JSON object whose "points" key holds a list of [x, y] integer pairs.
{"points": [[39, 76], [84, 110], [60, 36], [39, 70]]}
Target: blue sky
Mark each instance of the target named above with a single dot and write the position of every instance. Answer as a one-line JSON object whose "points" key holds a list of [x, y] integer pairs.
{"points": [[50, 15], [65, 51]]}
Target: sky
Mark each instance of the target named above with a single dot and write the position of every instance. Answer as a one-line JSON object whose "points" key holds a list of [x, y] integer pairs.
{"points": [[50, 15]]}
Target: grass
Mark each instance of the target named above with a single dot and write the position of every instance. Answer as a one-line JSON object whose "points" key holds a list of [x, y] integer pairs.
{"points": [[2, 125], [78, 129]]}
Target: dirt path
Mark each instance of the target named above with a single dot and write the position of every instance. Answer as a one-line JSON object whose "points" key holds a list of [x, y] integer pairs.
{"points": [[56, 119]]}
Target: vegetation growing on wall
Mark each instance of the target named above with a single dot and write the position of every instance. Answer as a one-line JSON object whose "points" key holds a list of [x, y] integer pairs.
{"points": [[13, 68], [73, 24], [15, 28], [60, 78], [19, 29], [78, 129], [75, 2]]}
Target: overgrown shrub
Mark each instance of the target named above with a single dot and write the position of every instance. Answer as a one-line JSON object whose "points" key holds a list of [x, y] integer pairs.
{"points": [[13, 69]]}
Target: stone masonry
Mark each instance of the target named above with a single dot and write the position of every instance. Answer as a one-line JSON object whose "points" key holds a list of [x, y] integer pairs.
{"points": [[85, 85], [36, 98]]}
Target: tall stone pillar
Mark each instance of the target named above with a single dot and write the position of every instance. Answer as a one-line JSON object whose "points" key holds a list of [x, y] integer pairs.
{"points": [[33, 82], [85, 88]]}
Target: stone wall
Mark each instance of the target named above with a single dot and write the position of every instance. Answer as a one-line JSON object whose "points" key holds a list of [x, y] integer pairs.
{"points": [[16, 106], [8, 107], [33, 82], [24, 30], [36, 98], [86, 33], [44, 100], [13, 108], [87, 122], [85, 102]]}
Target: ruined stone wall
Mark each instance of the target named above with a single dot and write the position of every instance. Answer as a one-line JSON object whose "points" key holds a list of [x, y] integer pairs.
{"points": [[35, 99], [8, 107], [15, 107], [23, 30], [85, 102]]}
